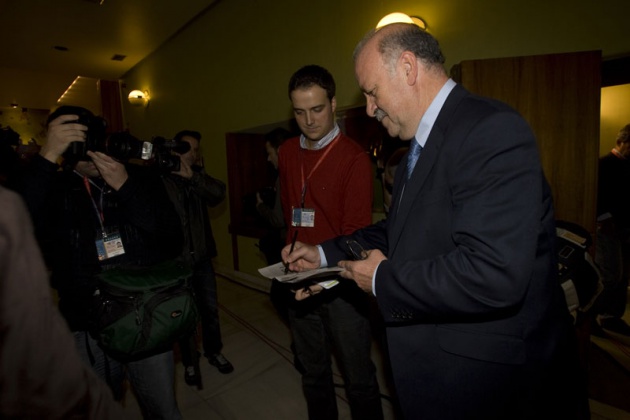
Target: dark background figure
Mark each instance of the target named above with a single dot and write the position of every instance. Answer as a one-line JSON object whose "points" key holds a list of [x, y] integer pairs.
{"points": [[9, 157], [272, 243], [387, 177], [326, 188], [192, 191], [41, 374], [464, 267], [98, 214], [268, 203], [612, 253]]}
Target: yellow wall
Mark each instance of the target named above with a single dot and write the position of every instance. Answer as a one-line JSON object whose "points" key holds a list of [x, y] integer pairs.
{"points": [[30, 124], [615, 114], [229, 69]]}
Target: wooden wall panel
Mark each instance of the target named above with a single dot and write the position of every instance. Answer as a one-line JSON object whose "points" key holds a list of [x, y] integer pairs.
{"points": [[559, 95]]}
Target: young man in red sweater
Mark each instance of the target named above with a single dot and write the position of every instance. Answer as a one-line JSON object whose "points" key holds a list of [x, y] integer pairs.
{"points": [[326, 190]]}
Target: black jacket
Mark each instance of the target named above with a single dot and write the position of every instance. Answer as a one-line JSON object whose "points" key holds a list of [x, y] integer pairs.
{"points": [[67, 226], [192, 197]]}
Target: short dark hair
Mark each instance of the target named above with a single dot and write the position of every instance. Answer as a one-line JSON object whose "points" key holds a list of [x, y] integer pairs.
{"points": [[624, 134], [312, 75], [69, 110], [188, 133]]}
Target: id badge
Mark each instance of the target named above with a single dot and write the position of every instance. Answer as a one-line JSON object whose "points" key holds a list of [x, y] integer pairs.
{"points": [[303, 217], [109, 245]]}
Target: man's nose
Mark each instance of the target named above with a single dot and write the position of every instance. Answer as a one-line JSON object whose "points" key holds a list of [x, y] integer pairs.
{"points": [[370, 107]]}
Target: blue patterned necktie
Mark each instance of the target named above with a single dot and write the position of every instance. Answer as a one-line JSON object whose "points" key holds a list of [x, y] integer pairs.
{"points": [[414, 153]]}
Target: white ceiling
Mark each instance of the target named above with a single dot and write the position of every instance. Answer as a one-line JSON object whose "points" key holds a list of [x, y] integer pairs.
{"points": [[33, 74]]}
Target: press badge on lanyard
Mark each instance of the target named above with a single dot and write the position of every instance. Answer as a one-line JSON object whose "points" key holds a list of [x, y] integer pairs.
{"points": [[109, 245], [108, 241], [301, 216]]}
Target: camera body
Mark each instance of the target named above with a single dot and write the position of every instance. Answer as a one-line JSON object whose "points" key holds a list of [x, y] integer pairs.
{"points": [[124, 147]]}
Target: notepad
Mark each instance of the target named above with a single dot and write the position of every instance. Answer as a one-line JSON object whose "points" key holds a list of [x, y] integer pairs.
{"points": [[276, 271]]}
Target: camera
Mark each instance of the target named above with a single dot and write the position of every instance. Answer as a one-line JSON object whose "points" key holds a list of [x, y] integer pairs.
{"points": [[124, 147]]}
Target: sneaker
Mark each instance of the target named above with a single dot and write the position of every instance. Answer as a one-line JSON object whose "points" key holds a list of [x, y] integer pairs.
{"points": [[616, 325], [190, 376], [220, 362]]}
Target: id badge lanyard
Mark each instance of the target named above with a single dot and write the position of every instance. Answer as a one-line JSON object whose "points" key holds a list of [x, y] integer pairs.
{"points": [[110, 244], [98, 209], [302, 216]]}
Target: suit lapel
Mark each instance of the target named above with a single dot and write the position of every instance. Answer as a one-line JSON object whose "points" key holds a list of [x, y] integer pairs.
{"points": [[413, 187]]}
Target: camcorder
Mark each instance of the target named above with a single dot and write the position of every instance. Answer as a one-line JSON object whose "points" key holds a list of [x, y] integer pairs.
{"points": [[124, 147]]}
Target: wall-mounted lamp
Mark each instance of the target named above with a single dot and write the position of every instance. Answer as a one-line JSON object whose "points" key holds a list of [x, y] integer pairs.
{"points": [[139, 97], [401, 18]]}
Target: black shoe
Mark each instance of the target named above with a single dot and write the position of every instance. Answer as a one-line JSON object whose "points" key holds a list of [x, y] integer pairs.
{"points": [[616, 325], [190, 376], [220, 362]]}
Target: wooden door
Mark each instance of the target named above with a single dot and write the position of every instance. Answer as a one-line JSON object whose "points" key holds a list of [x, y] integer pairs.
{"points": [[559, 95]]}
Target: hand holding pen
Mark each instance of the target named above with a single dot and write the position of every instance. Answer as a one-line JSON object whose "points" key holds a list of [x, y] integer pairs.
{"points": [[286, 266]]}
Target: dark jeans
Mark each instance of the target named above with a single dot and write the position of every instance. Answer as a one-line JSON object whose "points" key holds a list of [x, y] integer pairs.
{"points": [[336, 325], [151, 378], [205, 287]]}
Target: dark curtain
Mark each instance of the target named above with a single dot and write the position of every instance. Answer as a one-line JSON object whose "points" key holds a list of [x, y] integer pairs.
{"points": [[111, 105]]}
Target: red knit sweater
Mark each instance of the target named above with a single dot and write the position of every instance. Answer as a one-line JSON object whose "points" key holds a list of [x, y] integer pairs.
{"points": [[340, 189]]}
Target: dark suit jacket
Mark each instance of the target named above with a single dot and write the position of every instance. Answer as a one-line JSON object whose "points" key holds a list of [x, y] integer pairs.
{"points": [[477, 324]]}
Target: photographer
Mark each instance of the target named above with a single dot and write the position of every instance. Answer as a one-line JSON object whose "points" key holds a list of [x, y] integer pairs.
{"points": [[192, 191], [9, 158], [95, 215]]}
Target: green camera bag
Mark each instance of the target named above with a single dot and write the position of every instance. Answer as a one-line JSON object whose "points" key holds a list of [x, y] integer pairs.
{"points": [[141, 310]]}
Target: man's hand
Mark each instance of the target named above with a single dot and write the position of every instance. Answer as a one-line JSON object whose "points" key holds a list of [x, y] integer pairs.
{"points": [[59, 136], [185, 171], [303, 258], [112, 171], [362, 271], [308, 291]]}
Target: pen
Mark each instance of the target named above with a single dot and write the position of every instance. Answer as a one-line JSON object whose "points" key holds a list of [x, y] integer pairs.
{"points": [[286, 269]]}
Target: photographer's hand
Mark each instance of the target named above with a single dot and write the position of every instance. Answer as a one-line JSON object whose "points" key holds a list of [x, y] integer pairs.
{"points": [[185, 170], [60, 135], [113, 172]]}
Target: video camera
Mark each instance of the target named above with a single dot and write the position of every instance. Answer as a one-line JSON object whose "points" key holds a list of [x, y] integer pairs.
{"points": [[124, 147]]}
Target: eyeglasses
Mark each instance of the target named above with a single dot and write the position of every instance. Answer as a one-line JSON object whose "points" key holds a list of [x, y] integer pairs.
{"points": [[356, 250]]}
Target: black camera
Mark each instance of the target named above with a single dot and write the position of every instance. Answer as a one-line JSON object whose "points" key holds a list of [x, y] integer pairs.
{"points": [[163, 150], [122, 146]]}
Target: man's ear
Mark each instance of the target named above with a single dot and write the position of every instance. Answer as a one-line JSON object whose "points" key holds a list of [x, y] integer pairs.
{"points": [[409, 63], [333, 103]]}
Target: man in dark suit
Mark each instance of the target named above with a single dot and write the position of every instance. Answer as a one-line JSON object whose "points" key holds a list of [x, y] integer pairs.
{"points": [[464, 266]]}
